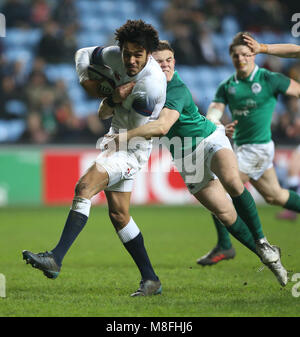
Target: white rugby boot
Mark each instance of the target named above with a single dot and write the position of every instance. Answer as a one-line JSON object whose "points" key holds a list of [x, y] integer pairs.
{"points": [[278, 269], [267, 252]]}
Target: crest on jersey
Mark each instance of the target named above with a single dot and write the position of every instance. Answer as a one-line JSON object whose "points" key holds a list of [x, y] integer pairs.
{"points": [[256, 88], [232, 90]]}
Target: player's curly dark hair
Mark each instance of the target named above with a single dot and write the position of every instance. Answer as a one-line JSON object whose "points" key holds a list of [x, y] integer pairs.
{"points": [[238, 40], [137, 31]]}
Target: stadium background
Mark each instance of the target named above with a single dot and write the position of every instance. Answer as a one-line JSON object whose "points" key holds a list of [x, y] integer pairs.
{"points": [[48, 126]]}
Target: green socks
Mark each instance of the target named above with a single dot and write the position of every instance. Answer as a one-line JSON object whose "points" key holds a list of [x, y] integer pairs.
{"points": [[247, 228], [293, 203], [239, 230], [223, 235], [246, 209]]}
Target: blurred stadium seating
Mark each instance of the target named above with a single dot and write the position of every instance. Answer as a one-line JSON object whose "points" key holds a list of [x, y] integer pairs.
{"points": [[95, 24], [42, 102]]}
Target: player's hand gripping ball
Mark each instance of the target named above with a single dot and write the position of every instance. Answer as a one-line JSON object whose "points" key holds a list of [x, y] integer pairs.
{"points": [[101, 74]]}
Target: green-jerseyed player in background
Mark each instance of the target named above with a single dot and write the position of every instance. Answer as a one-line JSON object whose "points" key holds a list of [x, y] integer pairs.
{"points": [[287, 50], [251, 94], [181, 119]]}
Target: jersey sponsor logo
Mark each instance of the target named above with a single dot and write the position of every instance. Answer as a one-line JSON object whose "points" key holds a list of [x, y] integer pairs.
{"points": [[251, 103], [256, 88], [241, 112]]}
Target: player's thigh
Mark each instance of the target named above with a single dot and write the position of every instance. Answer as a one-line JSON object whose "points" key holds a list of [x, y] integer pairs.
{"points": [[268, 186], [225, 167], [118, 208], [214, 198], [92, 182]]}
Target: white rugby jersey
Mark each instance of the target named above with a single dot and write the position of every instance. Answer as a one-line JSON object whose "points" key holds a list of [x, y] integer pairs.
{"points": [[148, 95]]}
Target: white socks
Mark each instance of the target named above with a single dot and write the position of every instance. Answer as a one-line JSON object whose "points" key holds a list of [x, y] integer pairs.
{"points": [[129, 232], [81, 205]]}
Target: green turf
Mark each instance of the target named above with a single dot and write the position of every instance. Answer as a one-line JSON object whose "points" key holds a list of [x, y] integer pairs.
{"points": [[98, 275]]}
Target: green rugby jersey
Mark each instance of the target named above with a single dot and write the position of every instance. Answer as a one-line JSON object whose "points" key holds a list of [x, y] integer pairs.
{"points": [[191, 127], [252, 101]]}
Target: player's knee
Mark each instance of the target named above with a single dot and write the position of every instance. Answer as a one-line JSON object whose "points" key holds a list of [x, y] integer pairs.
{"points": [[233, 186], [81, 189], [274, 199], [226, 216], [269, 199]]}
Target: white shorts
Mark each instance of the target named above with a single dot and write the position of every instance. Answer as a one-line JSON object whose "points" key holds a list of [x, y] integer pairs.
{"points": [[122, 167], [204, 153], [255, 159]]}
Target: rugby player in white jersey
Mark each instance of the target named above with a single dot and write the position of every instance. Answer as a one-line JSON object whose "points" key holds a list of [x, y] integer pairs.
{"points": [[213, 159], [113, 171]]}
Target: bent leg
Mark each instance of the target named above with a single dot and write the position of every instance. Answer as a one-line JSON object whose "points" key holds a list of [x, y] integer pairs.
{"points": [[224, 165], [118, 208], [268, 186], [214, 198], [92, 182]]}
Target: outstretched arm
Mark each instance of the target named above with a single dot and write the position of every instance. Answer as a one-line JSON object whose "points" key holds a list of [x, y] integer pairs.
{"points": [[282, 50], [157, 128]]}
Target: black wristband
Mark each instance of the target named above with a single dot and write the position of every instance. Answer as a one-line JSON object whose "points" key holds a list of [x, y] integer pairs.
{"points": [[109, 101]]}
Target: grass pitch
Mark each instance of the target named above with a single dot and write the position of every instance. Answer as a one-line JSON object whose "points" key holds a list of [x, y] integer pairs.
{"points": [[98, 274]]}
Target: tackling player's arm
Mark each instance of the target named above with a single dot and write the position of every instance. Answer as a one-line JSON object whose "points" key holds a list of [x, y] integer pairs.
{"points": [[157, 128], [287, 50]]}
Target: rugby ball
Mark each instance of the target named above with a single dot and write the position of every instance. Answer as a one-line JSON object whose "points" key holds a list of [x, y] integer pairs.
{"points": [[101, 74]]}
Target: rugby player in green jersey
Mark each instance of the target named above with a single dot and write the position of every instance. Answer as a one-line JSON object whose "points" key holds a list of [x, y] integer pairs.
{"points": [[287, 50], [251, 94], [217, 166]]}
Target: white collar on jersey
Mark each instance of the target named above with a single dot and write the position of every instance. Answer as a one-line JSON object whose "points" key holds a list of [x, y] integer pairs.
{"points": [[251, 77]]}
